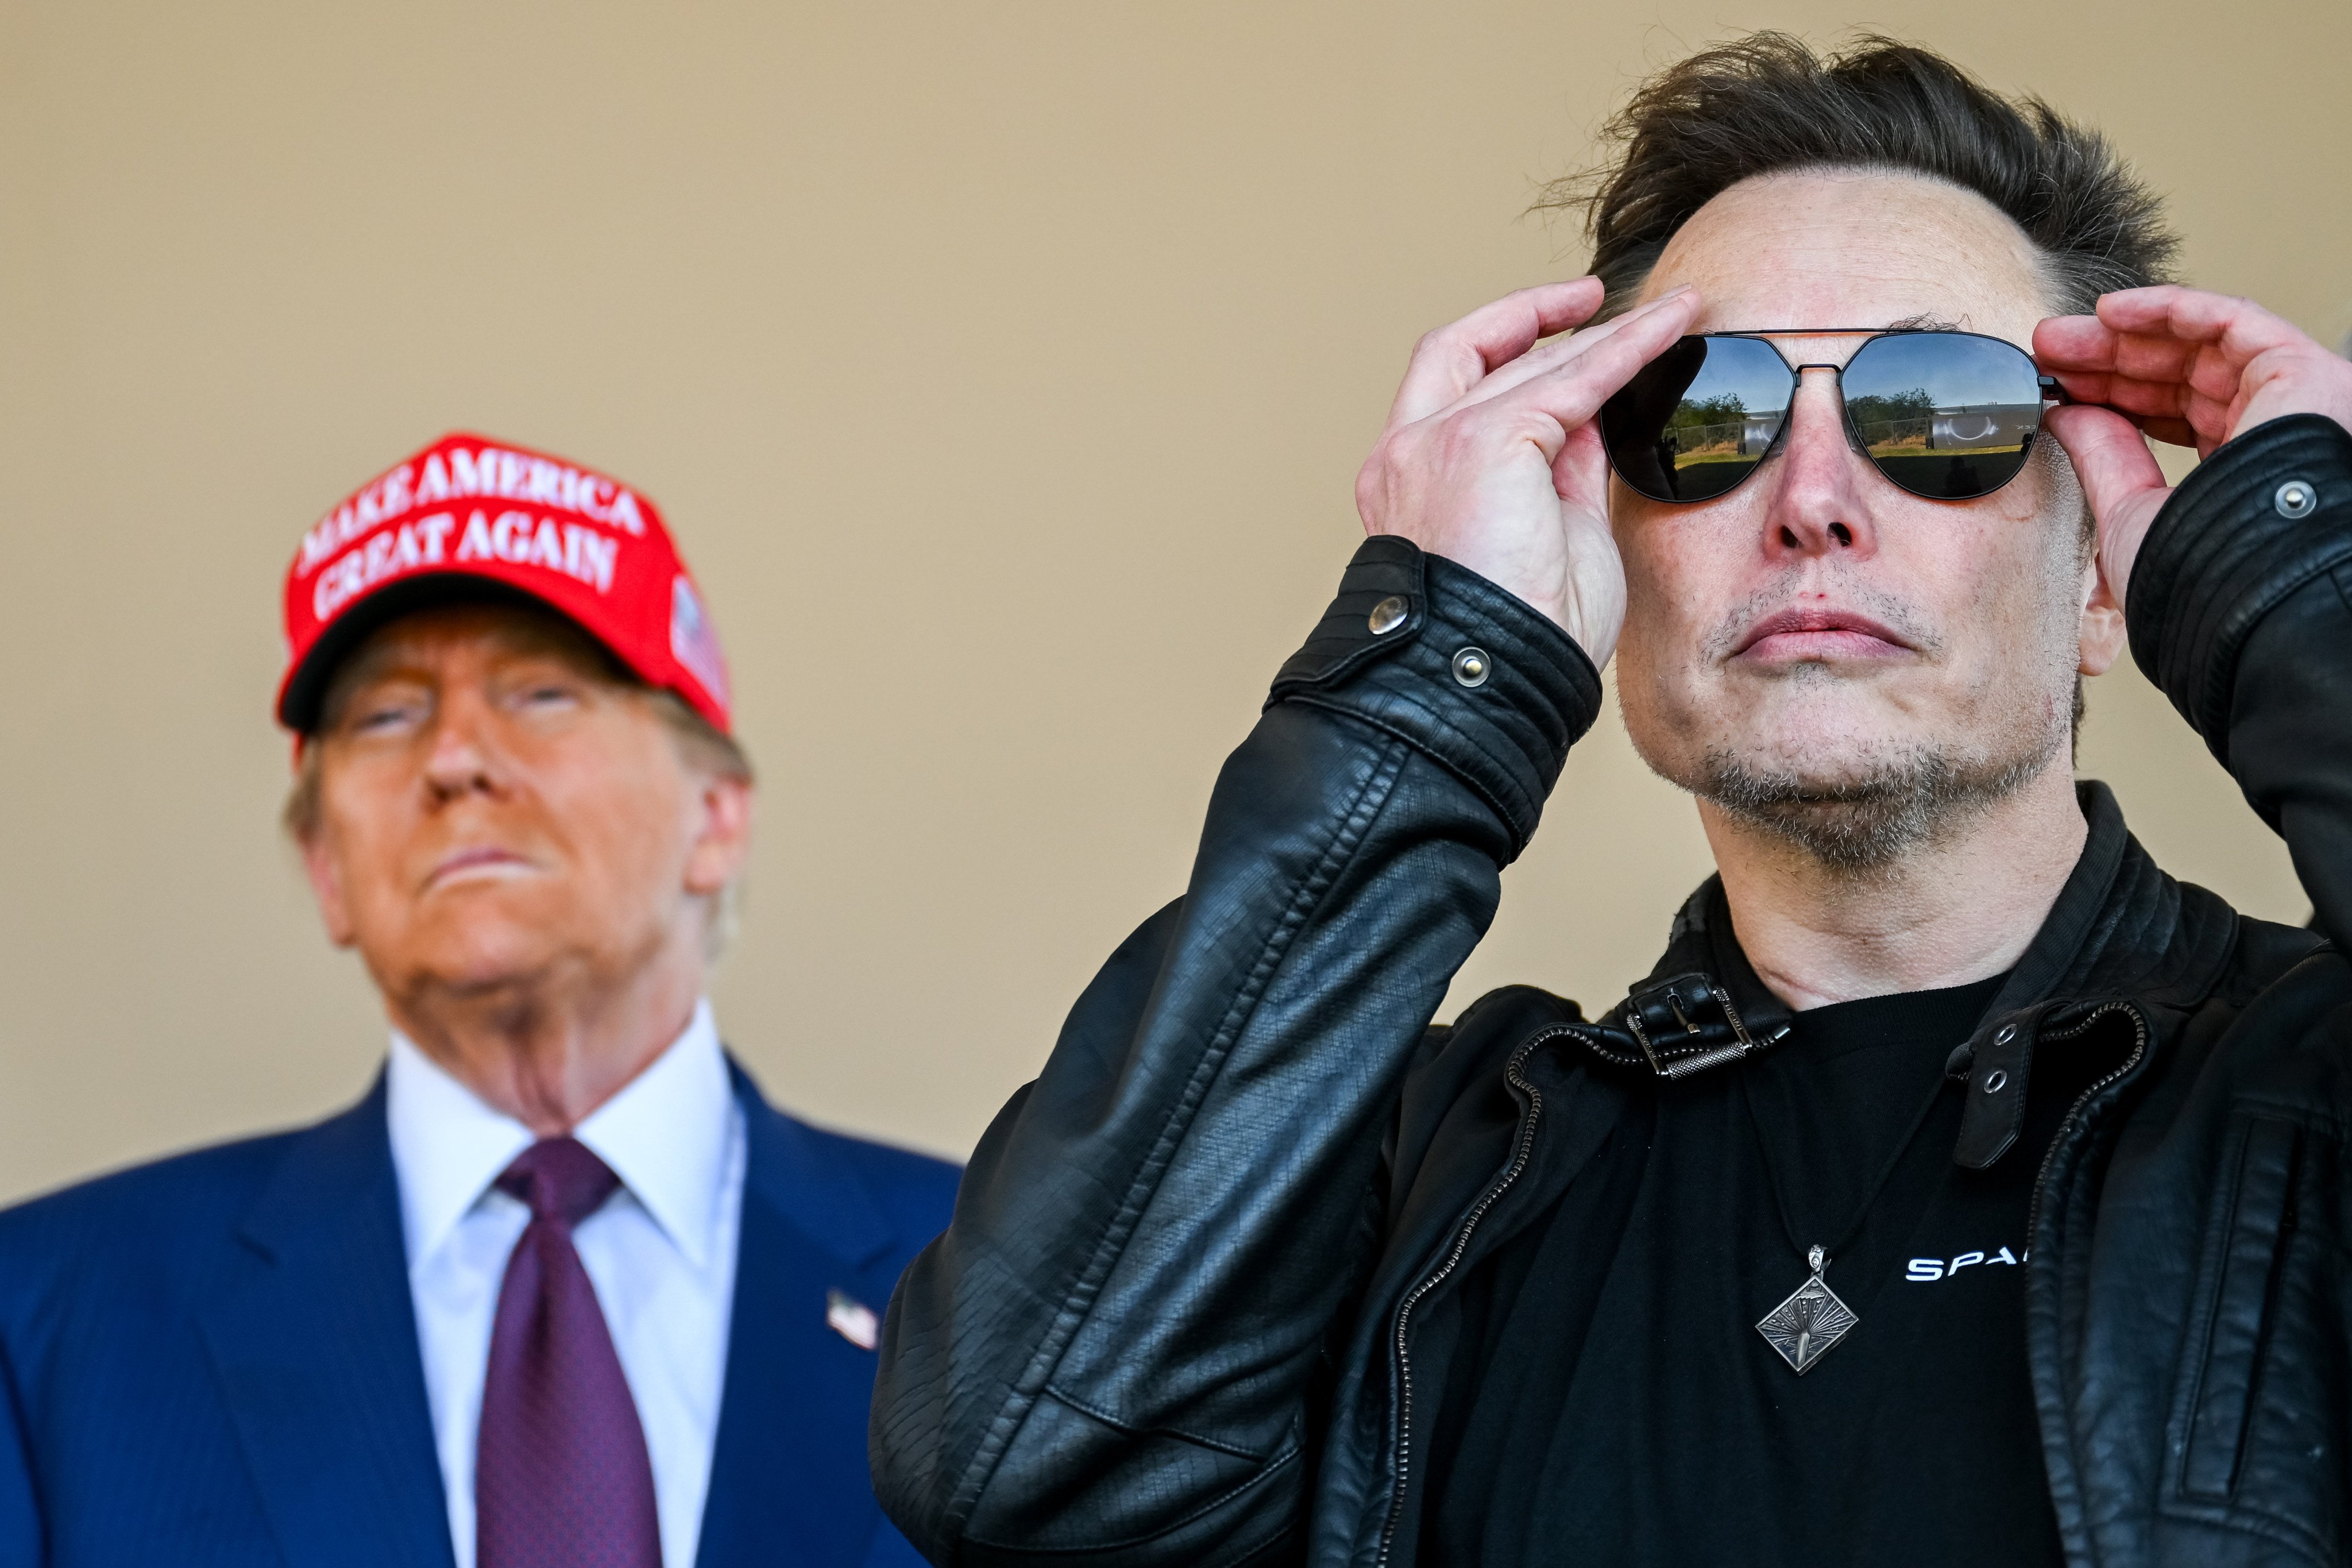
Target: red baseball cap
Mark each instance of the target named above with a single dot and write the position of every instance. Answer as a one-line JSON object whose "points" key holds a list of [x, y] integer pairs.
{"points": [[470, 511]]}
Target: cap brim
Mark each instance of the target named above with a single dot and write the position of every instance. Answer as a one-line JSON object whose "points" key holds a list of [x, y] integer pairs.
{"points": [[305, 692]]}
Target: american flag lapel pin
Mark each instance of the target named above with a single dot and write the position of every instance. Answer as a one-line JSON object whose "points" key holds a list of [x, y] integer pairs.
{"points": [[853, 1320]]}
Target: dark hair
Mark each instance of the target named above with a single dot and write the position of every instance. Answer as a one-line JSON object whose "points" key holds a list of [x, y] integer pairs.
{"points": [[1767, 103]]}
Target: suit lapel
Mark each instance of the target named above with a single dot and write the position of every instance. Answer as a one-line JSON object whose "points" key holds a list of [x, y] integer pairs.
{"points": [[788, 1482], [313, 1342]]}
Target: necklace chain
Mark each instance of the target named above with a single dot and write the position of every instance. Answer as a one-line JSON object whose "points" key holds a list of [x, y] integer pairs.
{"points": [[1878, 1184], [1813, 1320]]}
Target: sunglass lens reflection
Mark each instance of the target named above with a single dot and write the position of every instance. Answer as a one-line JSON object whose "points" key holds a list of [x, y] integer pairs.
{"points": [[1945, 416], [1698, 418]]}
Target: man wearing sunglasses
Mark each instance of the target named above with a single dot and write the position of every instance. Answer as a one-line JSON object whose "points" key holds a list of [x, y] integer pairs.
{"points": [[1959, 1188]]}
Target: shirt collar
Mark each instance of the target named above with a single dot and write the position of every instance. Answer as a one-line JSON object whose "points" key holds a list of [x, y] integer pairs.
{"points": [[664, 1135]]}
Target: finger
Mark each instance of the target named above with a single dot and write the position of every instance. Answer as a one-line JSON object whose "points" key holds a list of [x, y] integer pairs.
{"points": [[1451, 360], [2127, 395], [2206, 338], [2163, 308], [2113, 464], [1571, 394], [2190, 424], [2170, 430], [2089, 357], [2175, 429], [2196, 315], [2074, 343], [2152, 357], [1580, 474], [2122, 485], [2138, 310], [2208, 391], [1545, 357], [2158, 382]]}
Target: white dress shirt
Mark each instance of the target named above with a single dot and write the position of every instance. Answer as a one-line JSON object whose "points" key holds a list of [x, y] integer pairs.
{"points": [[660, 1253]]}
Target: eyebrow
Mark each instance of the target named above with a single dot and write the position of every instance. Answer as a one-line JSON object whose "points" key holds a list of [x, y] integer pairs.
{"points": [[1920, 323]]}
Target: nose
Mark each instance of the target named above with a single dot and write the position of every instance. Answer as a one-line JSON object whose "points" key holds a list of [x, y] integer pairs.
{"points": [[1819, 506], [459, 759]]}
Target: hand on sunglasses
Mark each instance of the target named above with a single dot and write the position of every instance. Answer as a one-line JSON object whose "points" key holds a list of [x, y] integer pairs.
{"points": [[2187, 367], [1491, 456]]}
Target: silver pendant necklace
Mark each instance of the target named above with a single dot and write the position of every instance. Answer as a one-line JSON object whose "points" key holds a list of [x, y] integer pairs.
{"points": [[1813, 1321], [1808, 1325]]}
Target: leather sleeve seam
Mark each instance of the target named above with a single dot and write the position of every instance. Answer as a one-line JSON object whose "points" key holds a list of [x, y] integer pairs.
{"points": [[1420, 744], [2219, 680], [1094, 1412], [1272, 1467], [2247, 1520]]}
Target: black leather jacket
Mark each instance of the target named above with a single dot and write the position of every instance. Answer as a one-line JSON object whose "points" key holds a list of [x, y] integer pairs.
{"points": [[1198, 1274]]}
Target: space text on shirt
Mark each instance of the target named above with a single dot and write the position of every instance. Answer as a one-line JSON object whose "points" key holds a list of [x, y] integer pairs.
{"points": [[1925, 1270]]}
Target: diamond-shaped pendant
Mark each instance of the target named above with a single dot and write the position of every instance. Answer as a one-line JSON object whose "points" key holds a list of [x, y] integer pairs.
{"points": [[1810, 1322]]}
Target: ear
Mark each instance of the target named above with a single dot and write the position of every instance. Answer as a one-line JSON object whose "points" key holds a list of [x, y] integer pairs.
{"points": [[723, 842], [2102, 621]]}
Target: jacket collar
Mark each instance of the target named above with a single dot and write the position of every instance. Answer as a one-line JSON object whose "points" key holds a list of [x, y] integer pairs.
{"points": [[312, 1340], [816, 1250], [2119, 927], [821, 1197]]}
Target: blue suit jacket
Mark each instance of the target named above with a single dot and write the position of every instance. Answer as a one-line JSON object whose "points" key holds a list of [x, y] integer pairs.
{"points": [[212, 1360]]}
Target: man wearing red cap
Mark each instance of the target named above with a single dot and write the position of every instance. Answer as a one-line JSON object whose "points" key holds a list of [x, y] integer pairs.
{"points": [[561, 1288]]}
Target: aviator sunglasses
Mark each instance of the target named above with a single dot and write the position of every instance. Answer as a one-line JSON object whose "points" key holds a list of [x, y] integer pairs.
{"points": [[1945, 416]]}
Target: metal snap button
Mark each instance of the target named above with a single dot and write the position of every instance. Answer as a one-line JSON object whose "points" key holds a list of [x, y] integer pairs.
{"points": [[1995, 1082], [2295, 498], [1388, 615], [1470, 667], [2008, 1033]]}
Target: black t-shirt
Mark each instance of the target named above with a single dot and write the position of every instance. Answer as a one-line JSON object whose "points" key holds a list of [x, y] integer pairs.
{"points": [[1611, 1401]]}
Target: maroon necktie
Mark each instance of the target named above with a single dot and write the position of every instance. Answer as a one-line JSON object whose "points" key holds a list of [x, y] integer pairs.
{"points": [[561, 1476]]}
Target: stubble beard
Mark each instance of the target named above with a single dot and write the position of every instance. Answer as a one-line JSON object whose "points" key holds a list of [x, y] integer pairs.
{"points": [[1865, 820], [1863, 814]]}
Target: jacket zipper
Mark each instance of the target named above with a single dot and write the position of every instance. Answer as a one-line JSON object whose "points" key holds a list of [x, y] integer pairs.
{"points": [[1524, 1150], [2073, 1112], [2122, 1071], [1520, 1155]]}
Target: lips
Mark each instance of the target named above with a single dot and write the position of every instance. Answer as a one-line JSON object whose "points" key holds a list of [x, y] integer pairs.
{"points": [[480, 860], [1820, 633]]}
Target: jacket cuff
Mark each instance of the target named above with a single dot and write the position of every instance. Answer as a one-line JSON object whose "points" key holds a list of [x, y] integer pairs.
{"points": [[2234, 540], [1489, 688]]}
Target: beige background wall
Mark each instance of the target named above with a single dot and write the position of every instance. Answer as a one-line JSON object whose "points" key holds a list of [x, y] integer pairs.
{"points": [[1004, 369]]}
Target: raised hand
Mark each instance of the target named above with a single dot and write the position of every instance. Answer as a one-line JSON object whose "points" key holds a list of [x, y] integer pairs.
{"points": [[2186, 367], [1490, 456]]}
